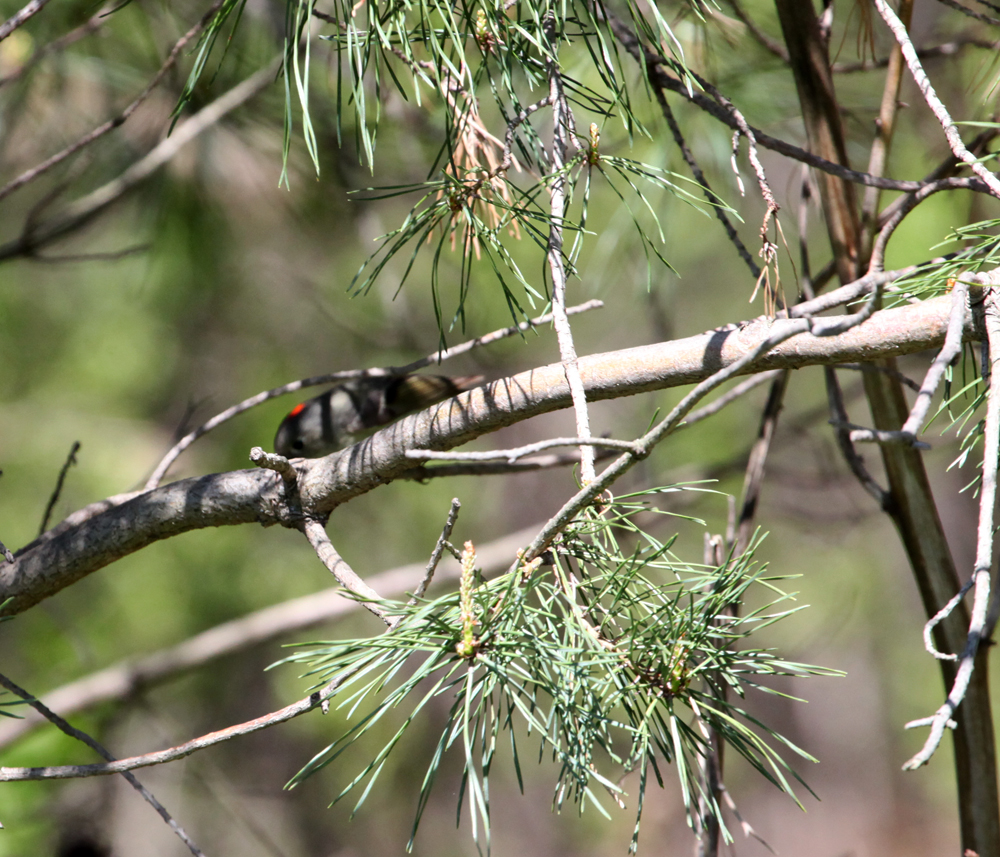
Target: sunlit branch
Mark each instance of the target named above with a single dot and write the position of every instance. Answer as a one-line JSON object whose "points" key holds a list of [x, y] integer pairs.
{"points": [[172, 754], [21, 17], [930, 96], [561, 129], [908, 203], [338, 567], [949, 351], [942, 718], [512, 455], [108, 532]]}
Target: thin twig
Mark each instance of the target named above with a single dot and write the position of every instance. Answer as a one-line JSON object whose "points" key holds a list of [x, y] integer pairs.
{"points": [[74, 258], [436, 357], [500, 468], [930, 96], [782, 329], [771, 45], [123, 680], [73, 732], [82, 210], [885, 370], [512, 455], [948, 167], [660, 78], [70, 460], [89, 26], [904, 205], [949, 351], [753, 478], [972, 13], [938, 618], [21, 17], [98, 132], [984, 540], [66, 772], [437, 553], [885, 126], [557, 209], [806, 284], [758, 168], [699, 177], [278, 463], [863, 434], [748, 830], [945, 49], [346, 576], [727, 398], [504, 332], [838, 413]]}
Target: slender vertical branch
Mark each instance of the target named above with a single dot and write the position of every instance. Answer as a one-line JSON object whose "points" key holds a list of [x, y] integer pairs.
{"points": [[557, 208], [984, 547], [937, 107], [910, 502], [885, 125]]}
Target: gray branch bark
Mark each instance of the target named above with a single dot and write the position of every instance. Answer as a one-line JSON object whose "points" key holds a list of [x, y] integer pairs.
{"points": [[104, 532]]}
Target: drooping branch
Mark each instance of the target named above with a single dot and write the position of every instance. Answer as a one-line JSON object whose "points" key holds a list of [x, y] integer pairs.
{"points": [[659, 77]]}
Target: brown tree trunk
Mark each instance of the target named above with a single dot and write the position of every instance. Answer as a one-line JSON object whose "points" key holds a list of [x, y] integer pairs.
{"points": [[911, 505]]}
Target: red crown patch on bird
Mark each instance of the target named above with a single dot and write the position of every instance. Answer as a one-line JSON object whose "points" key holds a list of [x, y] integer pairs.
{"points": [[350, 411]]}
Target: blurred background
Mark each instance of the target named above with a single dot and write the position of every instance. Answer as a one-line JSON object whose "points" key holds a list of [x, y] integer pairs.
{"points": [[208, 282]]}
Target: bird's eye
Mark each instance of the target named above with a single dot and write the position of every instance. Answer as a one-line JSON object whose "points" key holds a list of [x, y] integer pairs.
{"points": [[298, 445]]}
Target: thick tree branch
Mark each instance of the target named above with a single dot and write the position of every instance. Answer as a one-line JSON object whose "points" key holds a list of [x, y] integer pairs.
{"points": [[70, 552]]}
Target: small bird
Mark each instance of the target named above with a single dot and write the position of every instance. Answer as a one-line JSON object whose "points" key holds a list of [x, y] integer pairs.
{"points": [[354, 409]]}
